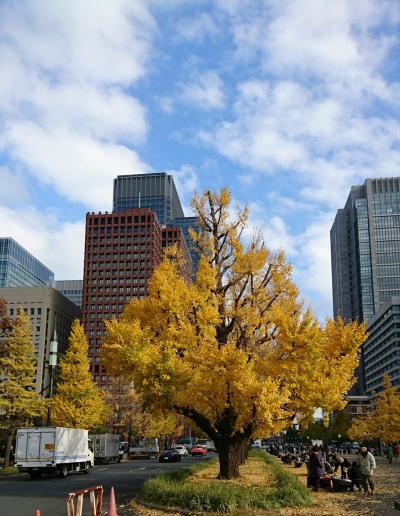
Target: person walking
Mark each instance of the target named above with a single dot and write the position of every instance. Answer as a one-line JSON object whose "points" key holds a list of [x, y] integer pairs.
{"points": [[396, 450], [367, 465], [315, 469], [355, 476], [389, 453]]}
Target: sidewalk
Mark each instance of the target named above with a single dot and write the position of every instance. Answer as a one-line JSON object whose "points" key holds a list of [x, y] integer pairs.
{"points": [[387, 482]]}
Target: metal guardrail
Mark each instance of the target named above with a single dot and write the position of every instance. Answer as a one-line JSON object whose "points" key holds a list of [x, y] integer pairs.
{"points": [[96, 501]]}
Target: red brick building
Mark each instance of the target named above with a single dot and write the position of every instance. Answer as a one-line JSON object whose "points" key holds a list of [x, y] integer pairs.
{"points": [[122, 250]]}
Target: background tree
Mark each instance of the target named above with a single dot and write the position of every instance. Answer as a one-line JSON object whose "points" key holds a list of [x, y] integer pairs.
{"points": [[129, 417], [359, 430], [383, 422], [236, 352], [78, 403], [19, 403]]}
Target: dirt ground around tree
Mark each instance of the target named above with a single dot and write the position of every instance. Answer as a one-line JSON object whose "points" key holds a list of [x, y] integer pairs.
{"points": [[387, 491]]}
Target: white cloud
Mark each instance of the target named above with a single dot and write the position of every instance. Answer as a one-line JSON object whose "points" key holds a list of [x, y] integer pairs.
{"points": [[166, 104], [187, 183], [80, 168], [197, 28], [66, 99], [284, 127], [313, 264], [308, 250], [48, 238], [12, 189], [205, 91]]}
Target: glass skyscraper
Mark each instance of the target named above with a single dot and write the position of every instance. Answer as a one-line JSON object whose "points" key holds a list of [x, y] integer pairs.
{"points": [[365, 251], [18, 268], [156, 191], [72, 289], [186, 223]]}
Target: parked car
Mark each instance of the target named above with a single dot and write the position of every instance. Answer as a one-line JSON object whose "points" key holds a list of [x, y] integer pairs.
{"points": [[170, 455], [207, 444], [198, 450], [181, 449]]}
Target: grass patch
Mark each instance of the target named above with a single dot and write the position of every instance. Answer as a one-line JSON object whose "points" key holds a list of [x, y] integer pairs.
{"points": [[4, 472], [263, 484]]}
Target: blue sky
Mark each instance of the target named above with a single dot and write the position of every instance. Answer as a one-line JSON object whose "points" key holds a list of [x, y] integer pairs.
{"points": [[288, 102]]}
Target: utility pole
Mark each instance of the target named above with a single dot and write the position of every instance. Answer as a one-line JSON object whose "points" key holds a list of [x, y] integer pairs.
{"points": [[52, 367]]}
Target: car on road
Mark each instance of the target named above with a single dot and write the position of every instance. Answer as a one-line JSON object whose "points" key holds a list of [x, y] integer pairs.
{"points": [[181, 449], [198, 451], [170, 455], [208, 445]]}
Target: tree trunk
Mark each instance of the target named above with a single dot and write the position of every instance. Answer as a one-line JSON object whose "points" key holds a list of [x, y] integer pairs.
{"points": [[243, 452], [230, 457], [10, 436]]}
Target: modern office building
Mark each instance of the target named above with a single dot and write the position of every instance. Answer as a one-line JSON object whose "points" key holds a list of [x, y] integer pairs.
{"points": [[48, 310], [365, 249], [173, 235], [381, 351], [156, 191], [122, 250], [186, 223], [19, 268], [72, 289], [358, 405]]}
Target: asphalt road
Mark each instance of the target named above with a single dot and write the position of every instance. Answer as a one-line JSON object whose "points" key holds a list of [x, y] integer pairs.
{"points": [[21, 496]]}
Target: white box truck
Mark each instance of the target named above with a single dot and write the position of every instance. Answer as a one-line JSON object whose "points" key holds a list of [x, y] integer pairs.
{"points": [[144, 449], [52, 449], [105, 448]]}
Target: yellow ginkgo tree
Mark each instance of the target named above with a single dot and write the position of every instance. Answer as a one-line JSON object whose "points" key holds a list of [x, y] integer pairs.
{"points": [[78, 403], [19, 401], [235, 351], [383, 422]]}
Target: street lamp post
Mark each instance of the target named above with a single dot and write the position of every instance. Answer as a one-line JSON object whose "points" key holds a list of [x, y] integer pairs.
{"points": [[52, 367]]}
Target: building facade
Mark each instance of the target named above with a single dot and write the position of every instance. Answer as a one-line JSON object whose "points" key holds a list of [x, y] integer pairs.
{"points": [[156, 191], [122, 250], [19, 268], [72, 289], [187, 223], [365, 252], [48, 310], [381, 351], [173, 235], [365, 249]]}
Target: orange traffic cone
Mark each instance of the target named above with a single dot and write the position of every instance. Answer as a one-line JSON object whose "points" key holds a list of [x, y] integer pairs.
{"points": [[37, 512], [112, 507]]}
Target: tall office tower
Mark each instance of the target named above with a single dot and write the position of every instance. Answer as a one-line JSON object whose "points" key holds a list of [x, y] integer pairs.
{"points": [[48, 310], [122, 250], [156, 191], [381, 351], [72, 289], [173, 235], [193, 223], [365, 251], [18, 268]]}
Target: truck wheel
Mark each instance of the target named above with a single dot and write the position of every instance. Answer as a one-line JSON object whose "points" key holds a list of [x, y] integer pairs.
{"points": [[63, 471], [35, 474]]}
